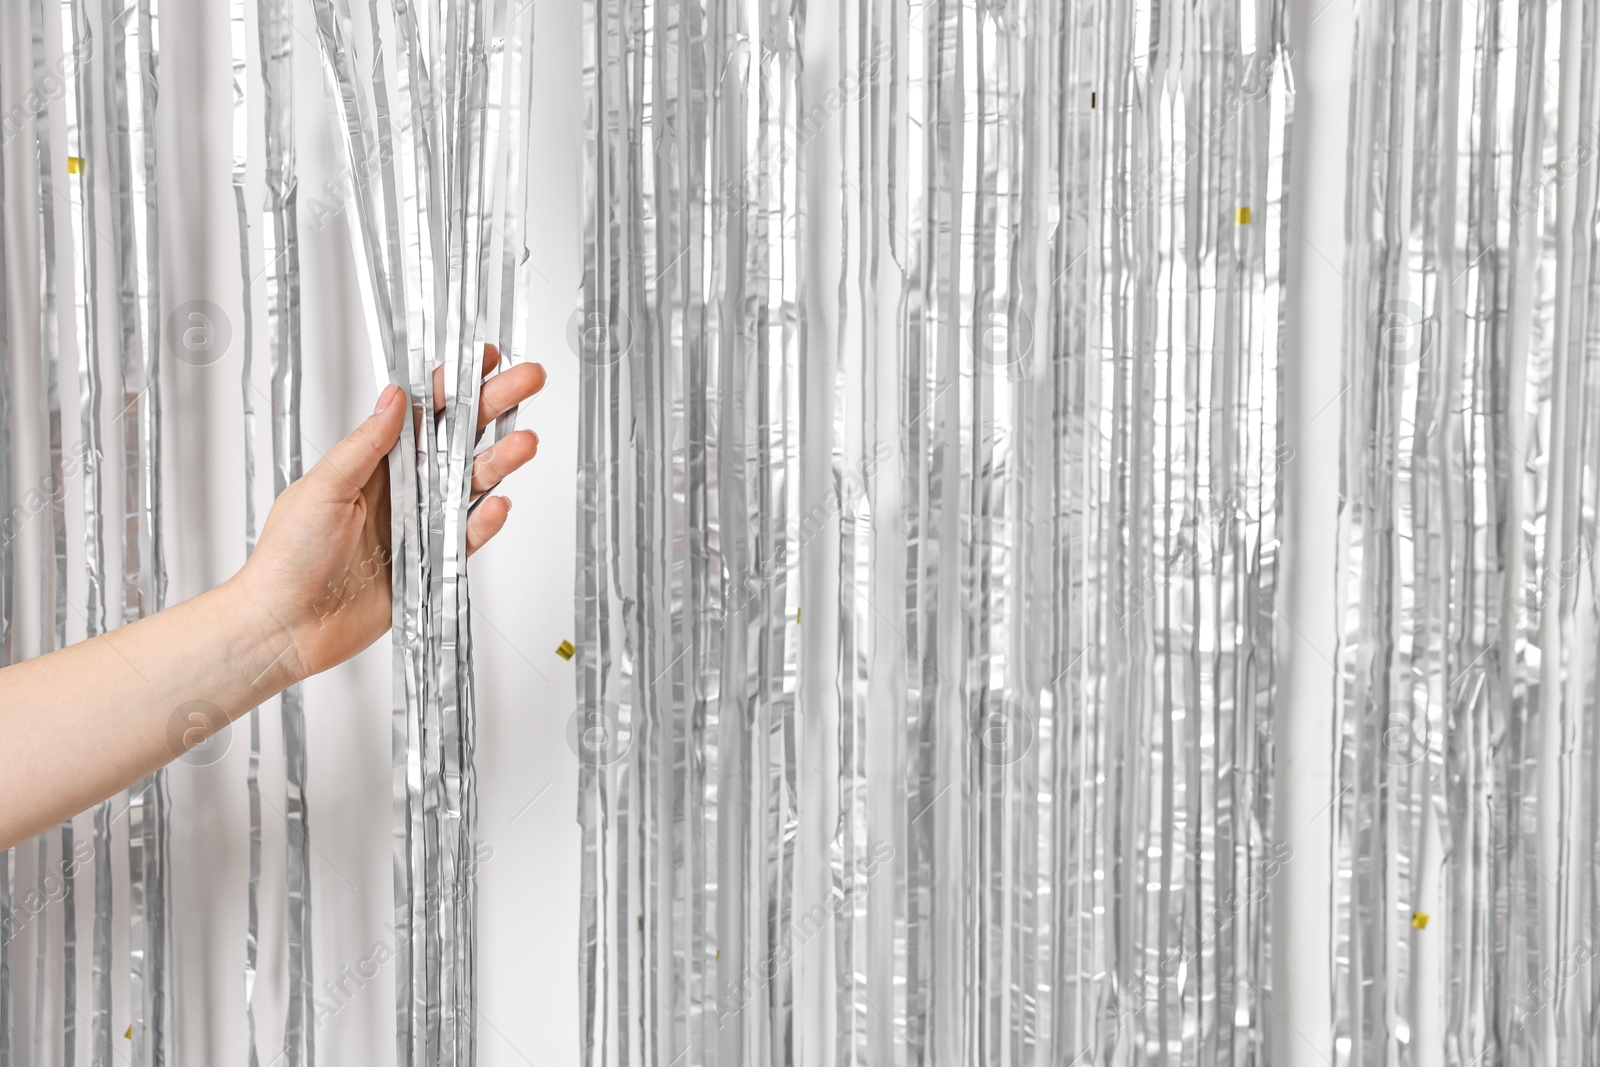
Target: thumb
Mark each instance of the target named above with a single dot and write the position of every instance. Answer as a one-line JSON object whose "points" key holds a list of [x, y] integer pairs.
{"points": [[355, 458]]}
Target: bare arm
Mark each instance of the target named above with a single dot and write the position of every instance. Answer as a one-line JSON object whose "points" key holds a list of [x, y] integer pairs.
{"points": [[82, 723]]}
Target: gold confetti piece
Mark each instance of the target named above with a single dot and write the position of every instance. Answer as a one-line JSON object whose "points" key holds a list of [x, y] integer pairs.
{"points": [[566, 649], [797, 616], [74, 164], [1419, 919], [129, 1034], [1091, 100], [1242, 216]]}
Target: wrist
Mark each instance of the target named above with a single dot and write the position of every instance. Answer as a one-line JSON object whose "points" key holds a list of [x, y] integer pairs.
{"points": [[267, 645]]}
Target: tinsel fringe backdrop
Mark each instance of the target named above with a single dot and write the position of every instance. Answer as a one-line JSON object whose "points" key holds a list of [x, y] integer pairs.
{"points": [[928, 504], [931, 470]]}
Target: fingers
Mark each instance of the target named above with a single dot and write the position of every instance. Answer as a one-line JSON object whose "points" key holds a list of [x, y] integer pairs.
{"points": [[491, 360], [503, 458], [486, 522], [353, 460], [502, 392], [508, 389]]}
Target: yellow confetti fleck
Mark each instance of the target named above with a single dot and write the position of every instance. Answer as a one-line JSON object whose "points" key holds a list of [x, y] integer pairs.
{"points": [[566, 650], [797, 616], [1242, 216], [1419, 919], [1092, 100], [74, 164], [129, 1034]]}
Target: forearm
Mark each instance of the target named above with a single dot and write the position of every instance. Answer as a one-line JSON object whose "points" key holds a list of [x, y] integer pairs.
{"points": [[82, 723]]}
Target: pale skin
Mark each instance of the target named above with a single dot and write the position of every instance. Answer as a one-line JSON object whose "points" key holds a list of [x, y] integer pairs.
{"points": [[83, 723]]}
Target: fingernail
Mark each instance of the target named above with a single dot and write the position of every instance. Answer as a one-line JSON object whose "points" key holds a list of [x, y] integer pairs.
{"points": [[535, 439], [508, 504], [390, 394]]}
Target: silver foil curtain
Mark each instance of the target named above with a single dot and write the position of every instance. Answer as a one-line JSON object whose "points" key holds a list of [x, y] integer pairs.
{"points": [[928, 491], [1468, 802]]}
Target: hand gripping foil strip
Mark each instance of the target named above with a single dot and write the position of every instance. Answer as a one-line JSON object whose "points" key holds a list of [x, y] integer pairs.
{"points": [[928, 482], [427, 129]]}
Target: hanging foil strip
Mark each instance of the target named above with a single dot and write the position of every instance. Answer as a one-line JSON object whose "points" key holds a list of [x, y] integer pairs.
{"points": [[82, 166], [1467, 689], [8, 580], [130, 86], [421, 104], [239, 37], [282, 256], [928, 482], [53, 565]]}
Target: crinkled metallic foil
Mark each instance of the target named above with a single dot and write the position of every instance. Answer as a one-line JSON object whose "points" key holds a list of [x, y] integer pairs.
{"points": [[8, 580], [130, 112], [78, 105], [239, 39], [280, 221], [1471, 468], [422, 106], [929, 471], [53, 565]]}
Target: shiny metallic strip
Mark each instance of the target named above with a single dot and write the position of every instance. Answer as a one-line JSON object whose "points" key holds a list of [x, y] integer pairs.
{"points": [[239, 37], [281, 248], [79, 106], [158, 943], [53, 567], [8, 578], [127, 201]]}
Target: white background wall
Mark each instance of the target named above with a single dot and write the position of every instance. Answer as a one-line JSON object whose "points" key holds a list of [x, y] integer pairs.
{"points": [[523, 583]]}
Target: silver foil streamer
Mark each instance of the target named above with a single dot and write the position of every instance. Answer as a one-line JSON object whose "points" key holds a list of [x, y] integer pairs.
{"points": [[281, 258], [420, 96], [239, 40], [280, 238], [53, 565], [8, 586], [1467, 803], [130, 84], [78, 101], [927, 527]]}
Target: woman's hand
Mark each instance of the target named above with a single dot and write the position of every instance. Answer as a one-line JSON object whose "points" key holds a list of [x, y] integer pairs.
{"points": [[320, 572]]}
